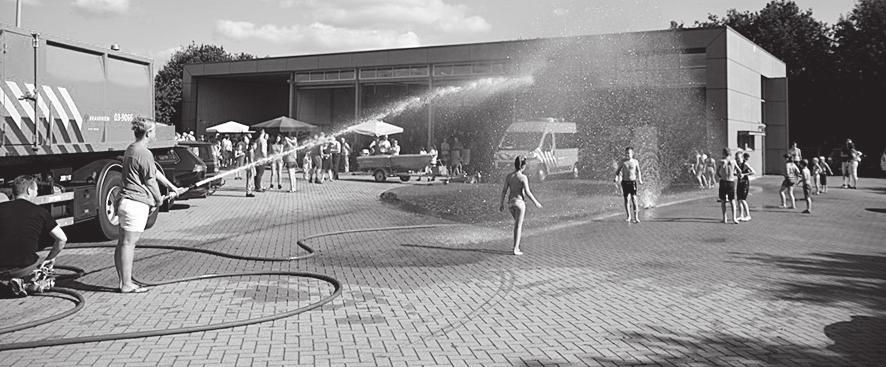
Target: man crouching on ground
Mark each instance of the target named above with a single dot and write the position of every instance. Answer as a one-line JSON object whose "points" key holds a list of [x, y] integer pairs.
{"points": [[22, 225]]}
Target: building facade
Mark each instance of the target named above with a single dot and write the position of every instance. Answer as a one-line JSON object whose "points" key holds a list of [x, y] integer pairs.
{"points": [[697, 90]]}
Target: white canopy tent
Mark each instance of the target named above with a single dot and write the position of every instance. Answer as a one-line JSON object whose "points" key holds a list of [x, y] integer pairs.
{"points": [[375, 128], [230, 127]]}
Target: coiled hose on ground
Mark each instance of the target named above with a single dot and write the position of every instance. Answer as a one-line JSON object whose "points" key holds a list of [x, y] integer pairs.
{"points": [[80, 301]]}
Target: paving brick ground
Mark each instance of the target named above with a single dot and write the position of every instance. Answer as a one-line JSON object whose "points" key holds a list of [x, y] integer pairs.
{"points": [[679, 289]]}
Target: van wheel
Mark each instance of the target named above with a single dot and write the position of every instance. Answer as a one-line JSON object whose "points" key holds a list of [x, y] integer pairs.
{"points": [[541, 174], [379, 175], [575, 171], [108, 192]]}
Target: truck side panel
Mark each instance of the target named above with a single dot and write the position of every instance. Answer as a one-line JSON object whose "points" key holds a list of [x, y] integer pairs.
{"points": [[86, 97]]}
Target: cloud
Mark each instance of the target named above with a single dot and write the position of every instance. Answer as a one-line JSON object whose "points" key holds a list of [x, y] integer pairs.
{"points": [[102, 7], [317, 36], [437, 14]]}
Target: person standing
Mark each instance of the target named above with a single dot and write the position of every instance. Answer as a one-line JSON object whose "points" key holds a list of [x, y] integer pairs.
{"points": [[335, 151], [825, 172], [795, 153], [317, 159], [744, 187], [628, 173], [727, 172], [139, 197], [455, 154], [710, 170], [290, 159], [791, 178], [854, 159], [845, 159], [805, 179], [277, 162], [384, 145], [516, 188], [395, 147], [346, 154], [260, 153], [22, 225], [248, 158], [444, 152], [227, 151]]}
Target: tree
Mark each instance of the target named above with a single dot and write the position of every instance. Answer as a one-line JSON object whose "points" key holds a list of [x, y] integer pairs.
{"points": [[861, 53], [168, 82]]}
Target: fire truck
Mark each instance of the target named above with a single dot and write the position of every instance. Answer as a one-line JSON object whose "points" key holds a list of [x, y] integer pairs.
{"points": [[65, 114]]}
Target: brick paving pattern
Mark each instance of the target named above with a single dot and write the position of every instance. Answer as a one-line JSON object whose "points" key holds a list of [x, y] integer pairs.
{"points": [[679, 289]]}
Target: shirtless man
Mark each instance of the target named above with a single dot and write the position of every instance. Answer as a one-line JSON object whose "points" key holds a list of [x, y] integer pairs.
{"points": [[628, 173], [516, 188], [727, 173]]}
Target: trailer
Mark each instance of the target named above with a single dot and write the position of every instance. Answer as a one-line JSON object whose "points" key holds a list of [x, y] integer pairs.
{"points": [[404, 166], [66, 109]]}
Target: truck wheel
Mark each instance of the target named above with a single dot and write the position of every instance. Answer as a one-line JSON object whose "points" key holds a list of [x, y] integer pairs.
{"points": [[541, 174], [379, 175], [405, 178], [109, 191]]}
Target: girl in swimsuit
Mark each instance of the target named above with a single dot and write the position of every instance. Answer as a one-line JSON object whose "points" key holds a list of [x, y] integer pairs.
{"points": [[709, 170], [516, 188]]}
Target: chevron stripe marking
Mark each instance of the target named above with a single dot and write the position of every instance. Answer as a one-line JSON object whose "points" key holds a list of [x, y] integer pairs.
{"points": [[56, 105], [41, 100], [10, 108], [17, 95], [71, 106]]}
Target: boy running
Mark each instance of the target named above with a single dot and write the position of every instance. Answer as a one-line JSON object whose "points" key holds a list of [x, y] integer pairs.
{"points": [[628, 173], [727, 172]]}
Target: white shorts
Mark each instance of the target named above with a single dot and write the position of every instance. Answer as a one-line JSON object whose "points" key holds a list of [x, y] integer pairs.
{"points": [[133, 215]]}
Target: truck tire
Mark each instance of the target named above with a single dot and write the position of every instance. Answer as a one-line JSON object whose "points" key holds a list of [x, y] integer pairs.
{"points": [[379, 175], [109, 189]]}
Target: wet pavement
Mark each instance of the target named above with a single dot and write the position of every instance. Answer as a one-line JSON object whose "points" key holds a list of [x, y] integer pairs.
{"points": [[678, 289]]}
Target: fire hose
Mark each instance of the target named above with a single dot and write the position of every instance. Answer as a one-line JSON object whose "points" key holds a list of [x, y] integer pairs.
{"points": [[80, 301]]}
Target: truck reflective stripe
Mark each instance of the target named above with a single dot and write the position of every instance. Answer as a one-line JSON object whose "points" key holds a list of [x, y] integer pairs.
{"points": [[57, 106], [17, 95], [41, 101], [72, 107], [10, 108], [16, 137]]}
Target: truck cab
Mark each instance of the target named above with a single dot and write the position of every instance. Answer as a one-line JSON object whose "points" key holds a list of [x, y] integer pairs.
{"points": [[549, 145]]}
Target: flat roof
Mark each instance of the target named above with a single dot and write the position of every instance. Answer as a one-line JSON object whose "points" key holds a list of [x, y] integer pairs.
{"points": [[437, 54]]}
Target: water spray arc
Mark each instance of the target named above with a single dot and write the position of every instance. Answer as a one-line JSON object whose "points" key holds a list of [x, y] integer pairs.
{"points": [[482, 86]]}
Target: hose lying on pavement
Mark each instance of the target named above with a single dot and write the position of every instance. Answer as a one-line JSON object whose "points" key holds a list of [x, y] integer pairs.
{"points": [[80, 301]]}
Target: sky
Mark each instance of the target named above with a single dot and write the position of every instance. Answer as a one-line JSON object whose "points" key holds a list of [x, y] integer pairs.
{"points": [[156, 28]]}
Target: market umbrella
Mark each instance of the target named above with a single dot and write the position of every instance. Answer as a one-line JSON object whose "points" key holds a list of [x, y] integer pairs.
{"points": [[286, 124], [375, 128], [230, 127]]}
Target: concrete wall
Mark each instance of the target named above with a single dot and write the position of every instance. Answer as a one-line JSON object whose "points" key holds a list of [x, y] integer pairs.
{"points": [[221, 100], [747, 67]]}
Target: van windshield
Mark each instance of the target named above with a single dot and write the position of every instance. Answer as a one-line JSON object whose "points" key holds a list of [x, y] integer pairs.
{"points": [[520, 141]]}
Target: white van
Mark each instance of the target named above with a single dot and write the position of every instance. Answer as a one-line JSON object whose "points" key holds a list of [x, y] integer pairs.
{"points": [[549, 145]]}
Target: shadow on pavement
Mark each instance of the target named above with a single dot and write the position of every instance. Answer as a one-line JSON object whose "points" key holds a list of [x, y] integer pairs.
{"points": [[831, 277], [876, 210], [862, 340], [668, 348], [695, 220]]}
